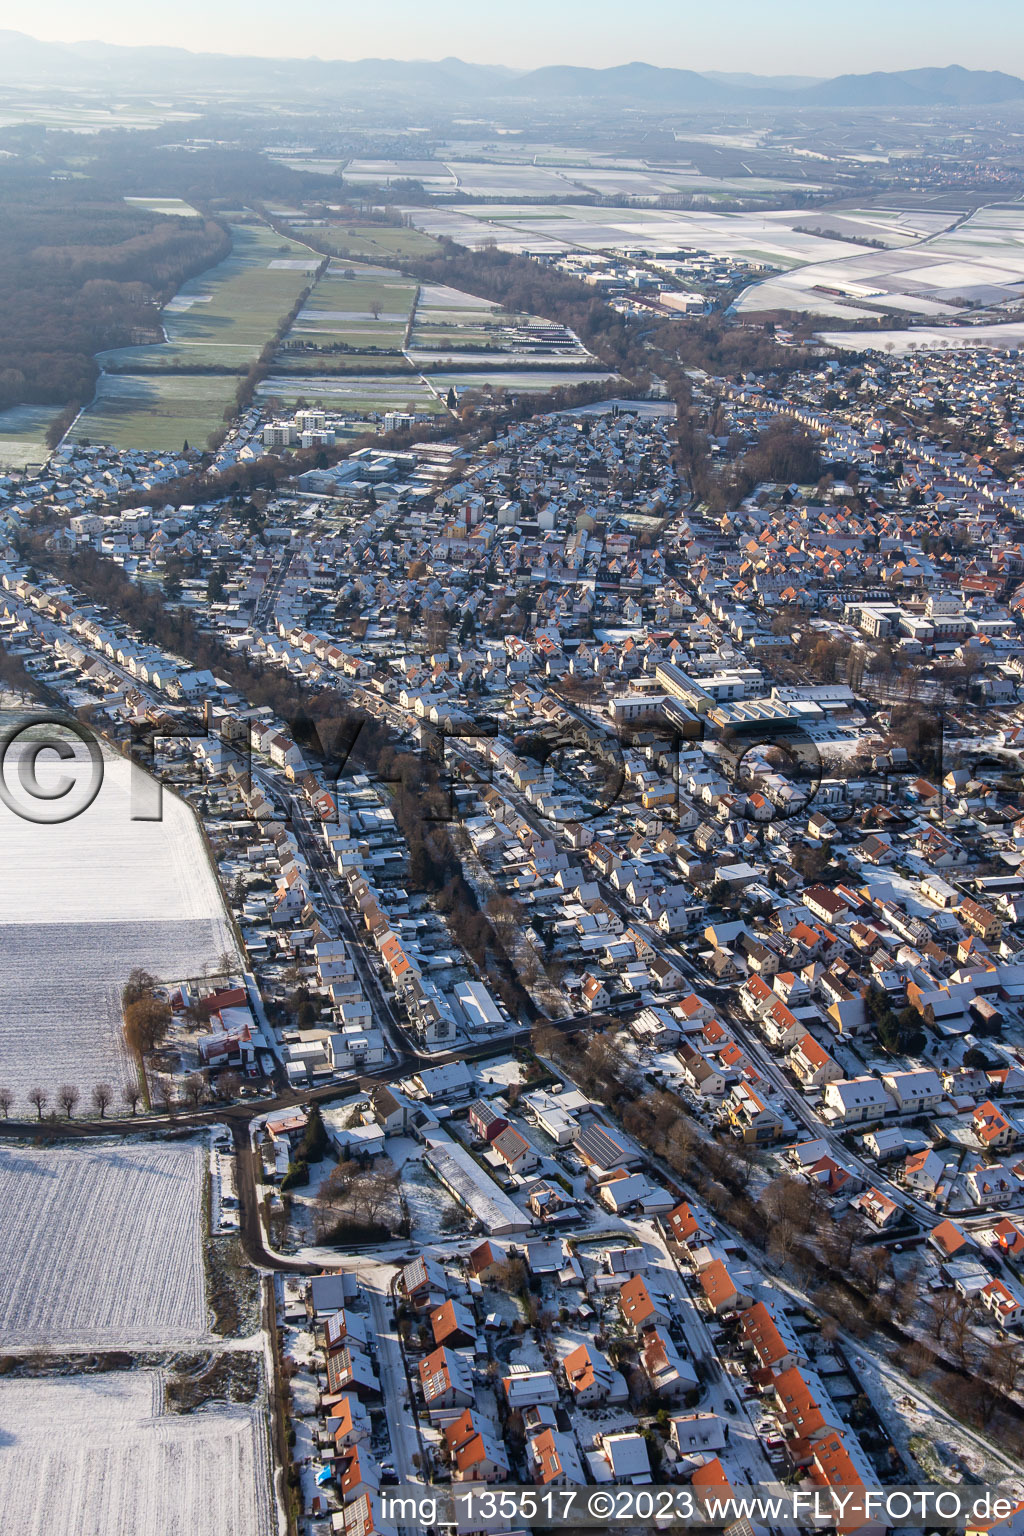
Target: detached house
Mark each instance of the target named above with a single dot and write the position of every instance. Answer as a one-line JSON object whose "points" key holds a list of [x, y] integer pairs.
{"points": [[812, 1064], [518, 1155], [855, 1099], [477, 1456], [446, 1380], [590, 1378], [1005, 1303], [638, 1308], [992, 1127]]}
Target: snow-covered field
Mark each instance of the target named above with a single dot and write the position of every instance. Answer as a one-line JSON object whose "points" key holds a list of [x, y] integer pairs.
{"points": [[101, 1246], [60, 1010], [85, 901], [95, 1456], [980, 260], [928, 338], [103, 866]]}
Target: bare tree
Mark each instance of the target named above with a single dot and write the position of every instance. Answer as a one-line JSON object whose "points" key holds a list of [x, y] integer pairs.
{"points": [[908, 1294], [918, 1358], [782, 1239], [6, 1100], [165, 1097], [941, 1310], [1006, 1363], [139, 984], [840, 1243], [829, 1330], [871, 1264], [146, 1021], [102, 1098], [133, 1095], [195, 1090], [38, 1098], [68, 1097], [960, 1329], [229, 1084]]}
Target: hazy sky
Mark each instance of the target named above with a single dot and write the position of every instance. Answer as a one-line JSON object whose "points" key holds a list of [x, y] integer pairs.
{"points": [[819, 37]]}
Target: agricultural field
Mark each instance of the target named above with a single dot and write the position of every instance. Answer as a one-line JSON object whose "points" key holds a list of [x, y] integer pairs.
{"points": [[111, 864], [23, 432], [359, 308], [158, 412], [523, 380], [928, 338], [977, 261], [376, 242], [101, 1246], [219, 321], [453, 336], [170, 207], [365, 392], [434, 175], [225, 316], [97, 1456], [128, 893], [574, 227], [559, 174], [86, 117]]}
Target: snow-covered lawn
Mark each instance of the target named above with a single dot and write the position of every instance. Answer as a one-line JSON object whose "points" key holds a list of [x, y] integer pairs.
{"points": [[101, 1246], [86, 902], [96, 1456], [502, 1073]]}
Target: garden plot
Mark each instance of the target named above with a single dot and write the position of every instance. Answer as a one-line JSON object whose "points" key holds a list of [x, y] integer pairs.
{"points": [[431, 1210], [101, 1246], [95, 897], [96, 1456], [460, 330]]}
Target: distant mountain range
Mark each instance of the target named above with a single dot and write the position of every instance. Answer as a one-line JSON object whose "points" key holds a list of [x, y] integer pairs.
{"points": [[25, 60]]}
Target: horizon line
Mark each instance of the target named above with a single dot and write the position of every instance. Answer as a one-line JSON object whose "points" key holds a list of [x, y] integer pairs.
{"points": [[510, 69]]}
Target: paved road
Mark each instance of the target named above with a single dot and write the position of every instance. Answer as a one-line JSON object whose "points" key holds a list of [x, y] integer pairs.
{"points": [[402, 1426]]}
